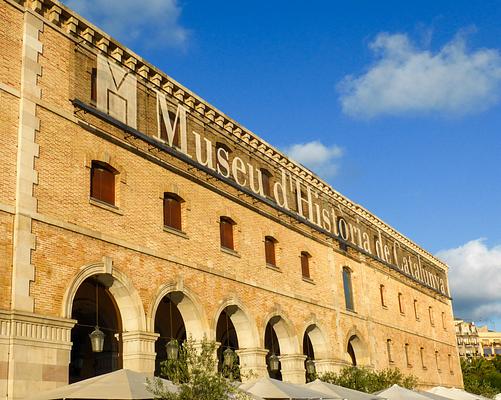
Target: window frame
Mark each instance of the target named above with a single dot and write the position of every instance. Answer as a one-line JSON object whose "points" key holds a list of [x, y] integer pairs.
{"points": [[96, 189], [226, 234], [401, 304], [270, 254], [382, 293], [305, 264], [348, 289], [169, 198]]}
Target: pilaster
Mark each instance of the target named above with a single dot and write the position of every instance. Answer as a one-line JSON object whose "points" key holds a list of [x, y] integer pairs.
{"points": [[293, 368], [139, 351], [252, 363], [34, 352]]}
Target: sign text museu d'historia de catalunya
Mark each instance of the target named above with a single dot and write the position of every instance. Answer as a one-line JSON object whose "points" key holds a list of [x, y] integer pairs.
{"points": [[117, 96]]}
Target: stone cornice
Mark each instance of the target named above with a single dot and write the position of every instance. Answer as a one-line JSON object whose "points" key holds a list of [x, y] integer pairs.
{"points": [[76, 26]]}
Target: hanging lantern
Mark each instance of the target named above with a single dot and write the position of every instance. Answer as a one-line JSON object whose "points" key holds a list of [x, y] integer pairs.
{"points": [[310, 367], [97, 340], [274, 363], [228, 358], [172, 349]]}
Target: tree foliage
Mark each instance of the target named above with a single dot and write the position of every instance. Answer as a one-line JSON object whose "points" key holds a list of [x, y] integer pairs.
{"points": [[482, 376], [369, 381], [195, 372]]}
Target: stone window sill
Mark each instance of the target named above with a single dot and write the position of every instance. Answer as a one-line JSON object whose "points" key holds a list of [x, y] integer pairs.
{"points": [[175, 231], [273, 267], [231, 252], [308, 280], [105, 206]]}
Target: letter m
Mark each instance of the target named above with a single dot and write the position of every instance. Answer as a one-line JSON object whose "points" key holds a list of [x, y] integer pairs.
{"points": [[116, 91]]}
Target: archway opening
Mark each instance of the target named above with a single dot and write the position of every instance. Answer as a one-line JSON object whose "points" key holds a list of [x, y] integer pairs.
{"points": [[351, 351], [226, 334], [93, 305], [272, 344], [169, 324], [309, 352]]}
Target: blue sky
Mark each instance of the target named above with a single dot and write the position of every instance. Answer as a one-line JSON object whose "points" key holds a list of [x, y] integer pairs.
{"points": [[396, 104]]}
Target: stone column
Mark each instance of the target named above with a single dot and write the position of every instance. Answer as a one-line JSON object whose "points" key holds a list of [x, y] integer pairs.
{"points": [[328, 365], [34, 353], [252, 363], [293, 368], [139, 351]]}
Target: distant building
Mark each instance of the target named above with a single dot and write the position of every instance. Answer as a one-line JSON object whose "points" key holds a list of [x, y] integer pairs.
{"points": [[468, 339], [490, 342]]}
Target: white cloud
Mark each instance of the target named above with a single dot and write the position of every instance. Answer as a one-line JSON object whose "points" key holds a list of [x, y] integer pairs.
{"points": [[316, 156], [149, 23], [475, 279], [406, 79]]}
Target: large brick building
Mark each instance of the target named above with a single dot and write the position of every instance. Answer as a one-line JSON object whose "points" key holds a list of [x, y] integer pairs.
{"points": [[124, 194]]}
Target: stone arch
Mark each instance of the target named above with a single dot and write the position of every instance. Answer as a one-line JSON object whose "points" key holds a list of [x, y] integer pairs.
{"points": [[120, 287], [359, 345], [284, 329], [245, 326], [318, 340], [189, 306]]}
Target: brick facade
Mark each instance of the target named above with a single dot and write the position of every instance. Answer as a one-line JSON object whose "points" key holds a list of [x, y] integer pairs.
{"points": [[50, 245]]}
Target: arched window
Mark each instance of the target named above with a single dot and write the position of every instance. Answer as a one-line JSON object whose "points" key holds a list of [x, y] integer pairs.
{"points": [[305, 264], [102, 182], [266, 178], [172, 211], [351, 353], [389, 349], [400, 303], [382, 294], [226, 232], [348, 291], [269, 251]]}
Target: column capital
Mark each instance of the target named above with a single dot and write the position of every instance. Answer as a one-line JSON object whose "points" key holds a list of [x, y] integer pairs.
{"points": [[253, 363], [139, 351], [293, 368]]}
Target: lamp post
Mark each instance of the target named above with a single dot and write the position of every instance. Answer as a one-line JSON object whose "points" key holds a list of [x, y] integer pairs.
{"points": [[310, 364], [228, 354], [97, 336]]}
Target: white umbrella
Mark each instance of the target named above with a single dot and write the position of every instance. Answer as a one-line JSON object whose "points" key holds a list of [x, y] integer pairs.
{"points": [[340, 392], [269, 388], [455, 394], [122, 384], [396, 392]]}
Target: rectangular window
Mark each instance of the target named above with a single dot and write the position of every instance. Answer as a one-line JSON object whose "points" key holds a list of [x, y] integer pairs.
{"points": [[172, 211], [269, 250], [102, 182], [389, 350], [421, 352], [430, 312], [416, 310], [449, 358], [305, 264], [382, 293], [400, 303], [226, 232], [407, 356], [437, 361], [348, 291], [444, 325]]}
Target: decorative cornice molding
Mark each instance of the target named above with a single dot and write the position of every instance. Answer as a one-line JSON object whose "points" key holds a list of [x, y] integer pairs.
{"points": [[84, 31]]}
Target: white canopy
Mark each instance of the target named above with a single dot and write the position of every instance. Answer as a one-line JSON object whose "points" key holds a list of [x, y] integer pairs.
{"points": [[397, 392], [122, 384], [268, 388], [340, 392], [456, 394]]}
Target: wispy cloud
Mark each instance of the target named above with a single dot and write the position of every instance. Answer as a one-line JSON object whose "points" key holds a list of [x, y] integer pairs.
{"points": [[147, 23], [321, 159], [406, 79], [475, 279]]}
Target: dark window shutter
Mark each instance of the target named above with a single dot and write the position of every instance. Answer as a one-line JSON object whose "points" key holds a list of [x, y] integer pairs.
{"points": [[172, 212], [305, 265], [269, 249], [102, 184], [226, 232]]}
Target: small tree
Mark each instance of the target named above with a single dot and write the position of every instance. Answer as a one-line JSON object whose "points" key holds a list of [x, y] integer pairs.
{"points": [[482, 376], [369, 381], [195, 372]]}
